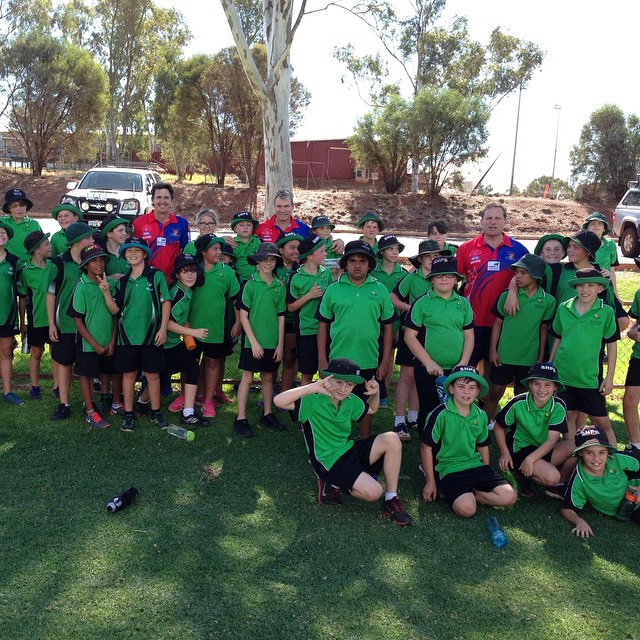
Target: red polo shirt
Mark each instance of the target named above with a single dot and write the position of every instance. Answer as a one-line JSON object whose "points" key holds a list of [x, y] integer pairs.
{"points": [[269, 231]]}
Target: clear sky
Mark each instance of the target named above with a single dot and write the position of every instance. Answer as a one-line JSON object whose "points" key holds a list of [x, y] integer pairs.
{"points": [[591, 59]]}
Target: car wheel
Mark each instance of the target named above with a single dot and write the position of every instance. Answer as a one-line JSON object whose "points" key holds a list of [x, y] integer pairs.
{"points": [[629, 244]]}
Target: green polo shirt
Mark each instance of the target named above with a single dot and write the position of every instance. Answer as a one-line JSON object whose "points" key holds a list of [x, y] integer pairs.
{"points": [[284, 274], [20, 231], [299, 285], [63, 275], [530, 425], [331, 255], [445, 321], [190, 248], [454, 438], [390, 280], [241, 251], [519, 340], [355, 315], [89, 304], [58, 243], [140, 301], [264, 303], [578, 358], [605, 492], [8, 291], [115, 264], [180, 304], [607, 254], [327, 428], [32, 282], [452, 247], [210, 300], [409, 289], [634, 312]]}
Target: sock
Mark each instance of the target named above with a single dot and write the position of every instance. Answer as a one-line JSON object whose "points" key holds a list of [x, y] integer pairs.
{"points": [[187, 412], [389, 495], [116, 405], [155, 410], [140, 401], [398, 420], [635, 444], [412, 416]]}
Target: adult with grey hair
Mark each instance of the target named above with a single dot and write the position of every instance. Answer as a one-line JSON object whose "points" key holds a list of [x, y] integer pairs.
{"points": [[282, 221], [485, 261]]}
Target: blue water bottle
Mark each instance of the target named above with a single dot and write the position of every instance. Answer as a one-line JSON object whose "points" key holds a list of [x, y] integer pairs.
{"points": [[498, 536]]}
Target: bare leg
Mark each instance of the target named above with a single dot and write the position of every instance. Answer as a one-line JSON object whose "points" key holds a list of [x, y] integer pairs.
{"points": [[86, 390], [630, 402], [267, 378], [492, 399], [243, 393], [6, 363], [153, 385], [129, 388], [35, 360]]}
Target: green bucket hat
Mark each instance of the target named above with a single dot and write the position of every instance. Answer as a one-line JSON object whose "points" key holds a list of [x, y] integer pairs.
{"points": [[532, 263], [288, 237], [322, 221], [597, 217], [243, 216], [551, 236], [34, 240], [7, 228], [371, 215], [135, 243], [543, 371], [586, 276], [309, 245], [77, 231], [66, 207], [205, 241], [111, 222], [465, 371]]}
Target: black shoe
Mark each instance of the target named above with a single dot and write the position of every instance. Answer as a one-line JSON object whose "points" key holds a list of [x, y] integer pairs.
{"points": [[393, 509], [412, 426], [242, 428], [328, 494], [194, 421], [128, 422], [62, 412], [630, 448], [158, 419], [271, 422], [525, 484], [556, 491], [402, 430], [141, 408], [104, 404]]}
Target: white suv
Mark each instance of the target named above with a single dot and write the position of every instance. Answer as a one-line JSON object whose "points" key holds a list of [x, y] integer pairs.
{"points": [[106, 190], [626, 221]]}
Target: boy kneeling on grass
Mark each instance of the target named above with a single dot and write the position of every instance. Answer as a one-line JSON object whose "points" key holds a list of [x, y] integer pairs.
{"points": [[325, 409], [455, 449], [602, 477]]}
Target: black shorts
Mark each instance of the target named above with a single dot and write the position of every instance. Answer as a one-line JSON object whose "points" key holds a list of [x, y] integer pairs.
{"points": [[589, 401], [89, 364], [481, 345], [518, 457], [350, 465], [633, 373], [359, 389], [289, 327], [266, 363], [404, 357], [9, 330], [146, 357], [38, 336], [214, 350], [307, 352], [505, 374], [179, 359], [64, 351], [482, 478]]}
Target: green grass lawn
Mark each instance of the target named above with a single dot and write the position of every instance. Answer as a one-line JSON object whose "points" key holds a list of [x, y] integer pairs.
{"points": [[226, 540]]}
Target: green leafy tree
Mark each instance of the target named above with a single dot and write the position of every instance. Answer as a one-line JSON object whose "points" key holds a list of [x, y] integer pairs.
{"points": [[381, 141], [608, 150], [58, 99], [537, 187]]}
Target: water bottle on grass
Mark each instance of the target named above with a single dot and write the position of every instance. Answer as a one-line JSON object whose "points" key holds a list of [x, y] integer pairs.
{"points": [[181, 432], [498, 536]]}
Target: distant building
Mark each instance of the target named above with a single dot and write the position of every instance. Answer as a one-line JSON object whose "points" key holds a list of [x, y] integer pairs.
{"points": [[322, 159]]}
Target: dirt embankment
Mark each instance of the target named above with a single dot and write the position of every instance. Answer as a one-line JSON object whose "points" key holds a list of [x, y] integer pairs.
{"points": [[345, 202]]}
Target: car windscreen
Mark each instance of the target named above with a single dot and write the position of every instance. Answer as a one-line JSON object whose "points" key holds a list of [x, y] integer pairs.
{"points": [[632, 199], [114, 181]]}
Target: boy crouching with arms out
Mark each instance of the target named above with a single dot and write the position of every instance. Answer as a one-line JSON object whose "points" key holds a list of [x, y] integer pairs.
{"points": [[455, 449], [325, 409]]}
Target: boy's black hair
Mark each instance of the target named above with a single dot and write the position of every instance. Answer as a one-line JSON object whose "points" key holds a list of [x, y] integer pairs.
{"points": [[440, 225]]}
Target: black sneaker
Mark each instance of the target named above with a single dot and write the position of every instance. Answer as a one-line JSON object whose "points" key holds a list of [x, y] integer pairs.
{"points": [[194, 420], [128, 422], [158, 419], [104, 404], [412, 426], [403, 432], [395, 510], [62, 412], [141, 408], [242, 428], [271, 422], [328, 494], [525, 484], [556, 491], [631, 448]]}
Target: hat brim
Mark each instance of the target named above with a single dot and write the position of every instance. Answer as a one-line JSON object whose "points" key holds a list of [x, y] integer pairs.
{"points": [[343, 260], [216, 240], [37, 244], [66, 207], [585, 225], [113, 224], [259, 257], [7, 228], [563, 240], [82, 236], [304, 256], [102, 254], [482, 383], [431, 274], [400, 246], [368, 218], [559, 385], [343, 376], [5, 206], [586, 445], [592, 255], [282, 241], [441, 252], [233, 223], [331, 226], [574, 282], [134, 245]]}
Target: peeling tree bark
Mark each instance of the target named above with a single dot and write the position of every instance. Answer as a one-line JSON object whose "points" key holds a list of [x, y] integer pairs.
{"points": [[274, 91]]}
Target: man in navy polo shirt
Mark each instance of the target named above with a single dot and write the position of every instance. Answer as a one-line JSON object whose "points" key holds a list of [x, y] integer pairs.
{"points": [[165, 232]]}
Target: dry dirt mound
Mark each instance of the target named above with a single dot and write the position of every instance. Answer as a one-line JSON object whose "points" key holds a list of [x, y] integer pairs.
{"points": [[346, 202]]}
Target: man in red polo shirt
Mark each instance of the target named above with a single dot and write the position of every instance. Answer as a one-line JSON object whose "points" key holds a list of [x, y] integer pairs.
{"points": [[485, 261], [165, 232], [282, 221]]}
